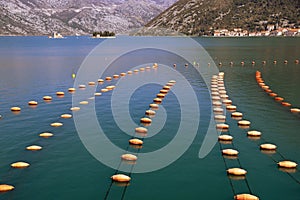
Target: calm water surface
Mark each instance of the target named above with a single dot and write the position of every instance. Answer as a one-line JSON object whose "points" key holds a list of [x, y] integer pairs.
{"points": [[32, 67]]}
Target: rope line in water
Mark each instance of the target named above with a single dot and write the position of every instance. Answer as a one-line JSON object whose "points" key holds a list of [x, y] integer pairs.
{"points": [[58, 94], [131, 169], [220, 84], [260, 81], [282, 157], [258, 76]]}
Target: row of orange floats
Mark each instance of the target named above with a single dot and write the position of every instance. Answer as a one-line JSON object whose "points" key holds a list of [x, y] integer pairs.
{"points": [[260, 81], [264, 62], [142, 131], [33, 103], [217, 85], [220, 99], [47, 98]]}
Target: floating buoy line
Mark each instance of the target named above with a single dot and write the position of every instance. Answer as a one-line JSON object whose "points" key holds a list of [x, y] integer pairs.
{"points": [[260, 81], [253, 63], [48, 134], [220, 99], [136, 142], [283, 164]]}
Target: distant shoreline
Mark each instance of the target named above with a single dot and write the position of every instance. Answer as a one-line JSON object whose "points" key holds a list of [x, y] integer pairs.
{"points": [[192, 36]]}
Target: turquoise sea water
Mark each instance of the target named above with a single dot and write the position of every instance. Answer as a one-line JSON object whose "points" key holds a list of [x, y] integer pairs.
{"points": [[32, 67]]}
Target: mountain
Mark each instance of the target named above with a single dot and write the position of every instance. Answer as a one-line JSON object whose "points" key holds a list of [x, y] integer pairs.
{"points": [[197, 17], [43, 17]]}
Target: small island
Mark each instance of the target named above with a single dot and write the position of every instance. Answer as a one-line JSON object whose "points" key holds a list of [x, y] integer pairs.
{"points": [[104, 34]]}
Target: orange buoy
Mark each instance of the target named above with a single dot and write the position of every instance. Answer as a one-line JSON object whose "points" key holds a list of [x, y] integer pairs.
{"points": [[215, 98], [164, 91], [268, 147], [265, 87], [279, 99], [236, 114], [224, 96], [6, 188], [297, 61], [160, 95], [100, 80], [115, 76], [218, 110], [244, 123], [56, 124], [254, 133], [150, 112], [166, 87], [214, 89], [136, 71], [215, 94], [217, 103], [227, 101], [104, 90], [287, 104], [108, 78], [172, 81], [71, 90], [46, 135], [97, 94], [222, 92], [47, 98], [157, 100], [142, 69], [268, 90], [19, 165], [295, 110], [15, 109], [220, 117], [287, 164], [34, 148], [285, 61], [153, 105], [129, 72], [82, 86], [237, 171], [32, 103], [231, 107], [245, 197], [145, 120], [230, 152], [120, 178], [170, 84], [136, 141], [123, 74], [225, 138], [60, 93], [129, 157], [111, 87], [91, 83], [272, 94], [66, 116], [74, 108], [141, 130], [222, 127], [83, 102]]}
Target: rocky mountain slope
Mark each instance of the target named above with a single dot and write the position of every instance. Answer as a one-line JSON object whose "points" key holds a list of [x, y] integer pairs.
{"points": [[43, 17], [196, 17]]}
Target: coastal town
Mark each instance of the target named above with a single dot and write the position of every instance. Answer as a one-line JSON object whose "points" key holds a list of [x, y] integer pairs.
{"points": [[271, 30]]}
